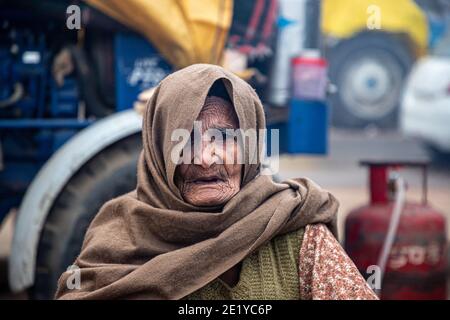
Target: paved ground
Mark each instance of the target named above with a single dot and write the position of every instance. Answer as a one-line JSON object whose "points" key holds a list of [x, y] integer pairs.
{"points": [[338, 172]]}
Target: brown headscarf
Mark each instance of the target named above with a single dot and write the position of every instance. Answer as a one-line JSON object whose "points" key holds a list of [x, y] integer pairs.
{"points": [[151, 244]]}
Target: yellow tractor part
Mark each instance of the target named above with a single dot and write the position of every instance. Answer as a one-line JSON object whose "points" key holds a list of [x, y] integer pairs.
{"points": [[184, 31], [345, 18]]}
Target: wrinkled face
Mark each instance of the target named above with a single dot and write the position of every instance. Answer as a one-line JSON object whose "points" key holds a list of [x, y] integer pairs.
{"points": [[216, 177]]}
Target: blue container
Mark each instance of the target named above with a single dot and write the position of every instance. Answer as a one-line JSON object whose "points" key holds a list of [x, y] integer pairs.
{"points": [[307, 127]]}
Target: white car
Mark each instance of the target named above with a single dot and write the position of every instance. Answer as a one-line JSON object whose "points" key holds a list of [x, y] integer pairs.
{"points": [[425, 108]]}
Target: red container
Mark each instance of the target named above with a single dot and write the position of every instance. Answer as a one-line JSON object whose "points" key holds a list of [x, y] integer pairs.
{"points": [[417, 264]]}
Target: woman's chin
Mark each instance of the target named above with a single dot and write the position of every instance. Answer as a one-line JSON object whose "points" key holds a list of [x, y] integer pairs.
{"points": [[207, 197]]}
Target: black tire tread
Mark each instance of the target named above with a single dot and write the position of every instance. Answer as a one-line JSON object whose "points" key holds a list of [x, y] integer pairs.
{"points": [[76, 206], [397, 46]]}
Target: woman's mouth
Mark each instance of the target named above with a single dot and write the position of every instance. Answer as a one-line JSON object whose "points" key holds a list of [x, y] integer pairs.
{"points": [[207, 180]]}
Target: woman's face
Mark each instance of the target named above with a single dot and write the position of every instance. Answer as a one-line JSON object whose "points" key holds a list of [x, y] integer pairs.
{"points": [[215, 177]]}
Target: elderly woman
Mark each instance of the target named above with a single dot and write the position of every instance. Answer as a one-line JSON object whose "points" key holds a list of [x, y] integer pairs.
{"points": [[206, 226]]}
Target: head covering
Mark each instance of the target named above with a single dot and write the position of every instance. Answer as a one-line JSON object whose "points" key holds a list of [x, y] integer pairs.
{"points": [[151, 244]]}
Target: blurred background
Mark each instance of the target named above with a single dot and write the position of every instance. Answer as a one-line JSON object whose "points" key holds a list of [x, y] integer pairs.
{"points": [[343, 81]]}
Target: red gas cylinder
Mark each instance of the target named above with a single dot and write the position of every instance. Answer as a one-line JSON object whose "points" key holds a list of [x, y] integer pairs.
{"points": [[415, 261]]}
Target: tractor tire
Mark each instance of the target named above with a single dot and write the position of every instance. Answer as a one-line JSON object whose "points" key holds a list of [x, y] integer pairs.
{"points": [[369, 70], [108, 174]]}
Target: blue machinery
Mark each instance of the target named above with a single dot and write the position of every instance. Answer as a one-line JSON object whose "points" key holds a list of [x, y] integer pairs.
{"points": [[38, 116]]}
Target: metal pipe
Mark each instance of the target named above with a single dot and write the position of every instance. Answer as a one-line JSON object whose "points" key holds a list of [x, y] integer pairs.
{"points": [[312, 25], [392, 229]]}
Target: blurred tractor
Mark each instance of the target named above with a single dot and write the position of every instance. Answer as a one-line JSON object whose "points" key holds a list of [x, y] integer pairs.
{"points": [[69, 136], [371, 46]]}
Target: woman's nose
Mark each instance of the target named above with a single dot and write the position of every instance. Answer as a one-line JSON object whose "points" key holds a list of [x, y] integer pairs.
{"points": [[207, 155]]}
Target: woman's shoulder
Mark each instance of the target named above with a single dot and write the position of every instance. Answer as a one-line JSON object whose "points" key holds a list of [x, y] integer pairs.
{"points": [[325, 270]]}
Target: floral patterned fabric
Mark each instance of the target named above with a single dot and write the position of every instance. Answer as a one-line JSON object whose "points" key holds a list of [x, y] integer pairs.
{"points": [[325, 270]]}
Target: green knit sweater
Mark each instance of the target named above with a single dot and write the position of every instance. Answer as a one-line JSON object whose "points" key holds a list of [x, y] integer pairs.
{"points": [[271, 272]]}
